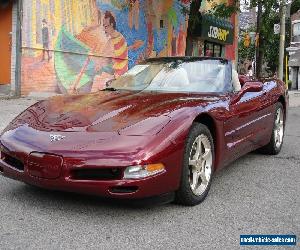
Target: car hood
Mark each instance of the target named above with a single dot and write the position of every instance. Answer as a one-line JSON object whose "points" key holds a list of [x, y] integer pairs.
{"points": [[107, 111]]}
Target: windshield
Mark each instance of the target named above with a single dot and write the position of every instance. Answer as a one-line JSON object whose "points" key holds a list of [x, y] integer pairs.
{"points": [[179, 76]]}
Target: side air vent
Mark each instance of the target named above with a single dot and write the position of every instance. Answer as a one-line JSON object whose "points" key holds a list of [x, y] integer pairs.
{"points": [[12, 161]]}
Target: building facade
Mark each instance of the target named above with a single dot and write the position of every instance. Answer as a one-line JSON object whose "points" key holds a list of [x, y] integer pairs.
{"points": [[70, 46], [294, 51], [212, 36]]}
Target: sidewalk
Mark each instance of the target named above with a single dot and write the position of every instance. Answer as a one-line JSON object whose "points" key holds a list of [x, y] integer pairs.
{"points": [[294, 98]]}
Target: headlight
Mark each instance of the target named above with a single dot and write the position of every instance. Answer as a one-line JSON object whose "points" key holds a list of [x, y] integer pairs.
{"points": [[137, 172]]}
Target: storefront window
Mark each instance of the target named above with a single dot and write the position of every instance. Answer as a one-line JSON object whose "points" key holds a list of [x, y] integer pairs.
{"points": [[217, 50], [213, 49]]}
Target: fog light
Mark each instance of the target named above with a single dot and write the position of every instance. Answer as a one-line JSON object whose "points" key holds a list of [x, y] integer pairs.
{"points": [[137, 172]]}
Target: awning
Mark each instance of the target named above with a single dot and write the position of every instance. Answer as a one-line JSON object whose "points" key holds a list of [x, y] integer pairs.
{"points": [[214, 29]]}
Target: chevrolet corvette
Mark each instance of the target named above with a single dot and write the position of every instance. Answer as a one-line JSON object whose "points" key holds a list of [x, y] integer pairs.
{"points": [[164, 127]]}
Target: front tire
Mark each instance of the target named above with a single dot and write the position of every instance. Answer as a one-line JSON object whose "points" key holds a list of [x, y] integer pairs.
{"points": [[198, 166], [276, 141]]}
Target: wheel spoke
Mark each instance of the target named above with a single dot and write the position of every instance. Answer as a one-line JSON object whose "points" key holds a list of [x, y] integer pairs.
{"points": [[193, 163], [206, 154], [198, 149], [278, 116], [203, 178], [195, 179], [280, 124]]}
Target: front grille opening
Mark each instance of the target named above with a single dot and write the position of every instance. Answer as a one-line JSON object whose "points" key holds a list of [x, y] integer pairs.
{"points": [[123, 190], [96, 174], [12, 161]]}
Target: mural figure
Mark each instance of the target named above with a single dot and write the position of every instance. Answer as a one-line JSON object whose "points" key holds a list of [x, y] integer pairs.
{"points": [[115, 61], [116, 48], [93, 37], [45, 39], [95, 41], [133, 15]]}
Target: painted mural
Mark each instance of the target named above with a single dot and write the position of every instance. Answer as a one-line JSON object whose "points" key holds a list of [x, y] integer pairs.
{"points": [[71, 46], [208, 5]]}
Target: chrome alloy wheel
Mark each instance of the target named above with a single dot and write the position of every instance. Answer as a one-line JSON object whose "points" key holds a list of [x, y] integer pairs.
{"points": [[278, 128], [200, 164]]}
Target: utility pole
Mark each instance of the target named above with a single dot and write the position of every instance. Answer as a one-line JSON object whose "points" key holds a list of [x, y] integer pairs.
{"points": [[282, 38], [258, 55], [236, 33]]}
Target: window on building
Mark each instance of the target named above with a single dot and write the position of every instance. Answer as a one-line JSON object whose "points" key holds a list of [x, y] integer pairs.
{"points": [[161, 24], [296, 32], [212, 49], [296, 29]]}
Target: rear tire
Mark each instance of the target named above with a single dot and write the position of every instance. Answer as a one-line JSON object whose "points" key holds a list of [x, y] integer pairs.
{"points": [[276, 141], [198, 166]]}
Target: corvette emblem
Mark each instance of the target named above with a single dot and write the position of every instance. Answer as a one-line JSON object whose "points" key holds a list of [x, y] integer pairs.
{"points": [[56, 137]]}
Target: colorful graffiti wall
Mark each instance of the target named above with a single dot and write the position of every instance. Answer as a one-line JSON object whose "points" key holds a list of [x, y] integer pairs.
{"points": [[208, 5], [71, 46]]}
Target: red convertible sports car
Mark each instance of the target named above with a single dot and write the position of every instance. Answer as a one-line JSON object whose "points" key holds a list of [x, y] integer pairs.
{"points": [[162, 128]]}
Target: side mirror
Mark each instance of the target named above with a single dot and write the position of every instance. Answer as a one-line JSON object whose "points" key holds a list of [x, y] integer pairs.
{"points": [[248, 87], [252, 87]]}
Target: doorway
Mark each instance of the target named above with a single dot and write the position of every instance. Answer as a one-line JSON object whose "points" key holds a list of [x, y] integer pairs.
{"points": [[5, 46]]}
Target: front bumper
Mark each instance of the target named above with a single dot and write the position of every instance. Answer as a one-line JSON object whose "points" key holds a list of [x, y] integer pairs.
{"points": [[128, 189], [85, 152]]}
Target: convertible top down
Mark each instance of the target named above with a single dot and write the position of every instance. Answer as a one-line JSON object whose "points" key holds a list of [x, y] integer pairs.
{"points": [[164, 127]]}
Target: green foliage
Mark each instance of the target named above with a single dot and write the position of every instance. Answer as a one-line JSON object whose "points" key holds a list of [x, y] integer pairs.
{"points": [[269, 44], [246, 53], [295, 6], [270, 40], [224, 10]]}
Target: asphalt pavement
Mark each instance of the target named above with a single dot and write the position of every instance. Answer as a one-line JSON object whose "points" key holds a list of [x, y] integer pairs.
{"points": [[257, 194]]}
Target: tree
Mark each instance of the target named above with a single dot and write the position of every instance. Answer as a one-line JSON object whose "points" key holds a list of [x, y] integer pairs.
{"points": [[268, 43], [295, 6]]}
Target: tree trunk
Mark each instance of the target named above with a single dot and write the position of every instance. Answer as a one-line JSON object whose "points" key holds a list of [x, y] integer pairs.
{"points": [[193, 17]]}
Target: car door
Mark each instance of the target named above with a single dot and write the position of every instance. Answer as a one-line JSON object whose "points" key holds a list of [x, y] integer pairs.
{"points": [[244, 127]]}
